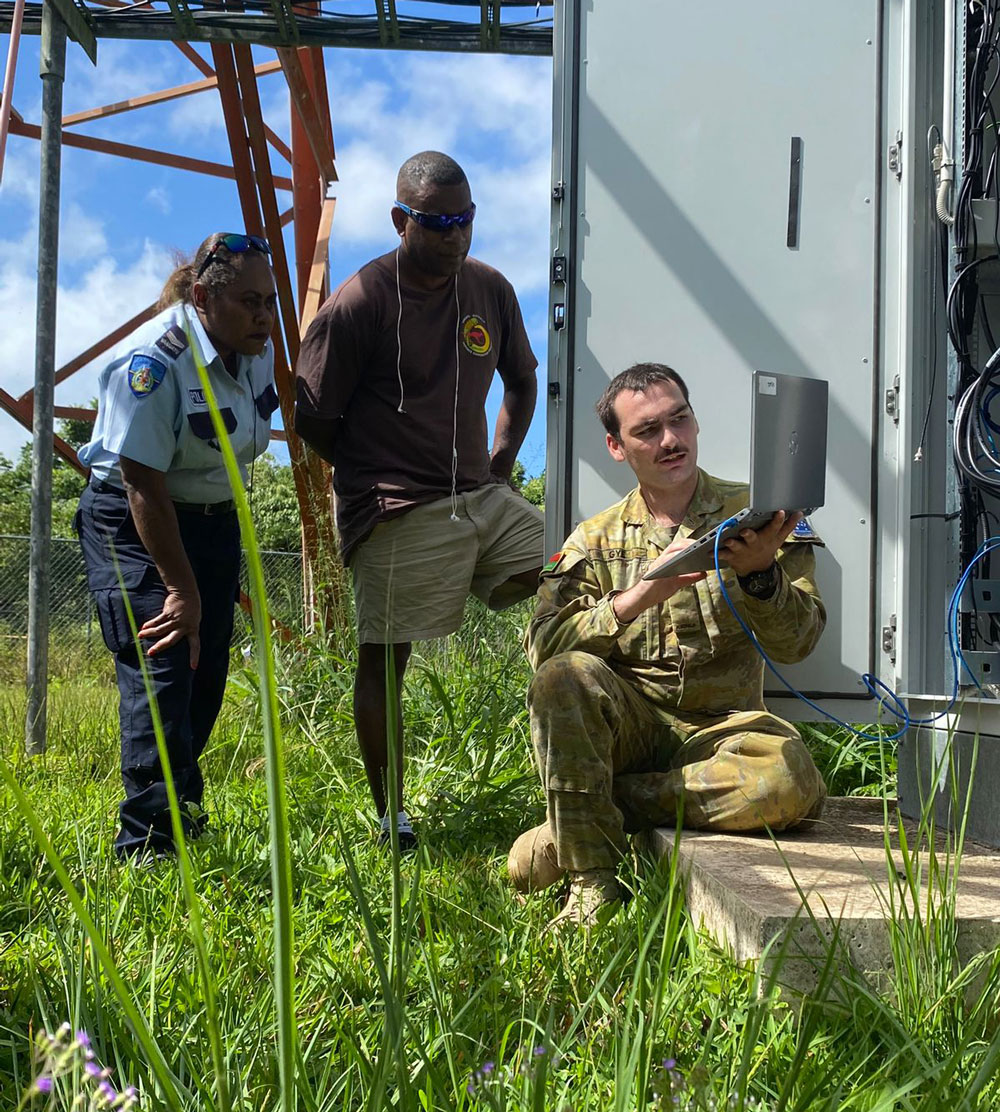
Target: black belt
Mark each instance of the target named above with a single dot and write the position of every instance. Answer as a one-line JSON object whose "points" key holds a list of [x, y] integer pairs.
{"points": [[226, 507]]}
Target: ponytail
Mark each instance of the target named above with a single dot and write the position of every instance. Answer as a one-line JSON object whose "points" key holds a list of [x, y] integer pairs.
{"points": [[179, 285]]}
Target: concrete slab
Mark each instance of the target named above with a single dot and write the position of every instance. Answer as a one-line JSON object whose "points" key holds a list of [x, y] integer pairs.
{"points": [[740, 889]]}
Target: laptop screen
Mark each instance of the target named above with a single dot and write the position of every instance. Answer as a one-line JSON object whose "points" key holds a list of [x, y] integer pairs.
{"points": [[788, 442]]}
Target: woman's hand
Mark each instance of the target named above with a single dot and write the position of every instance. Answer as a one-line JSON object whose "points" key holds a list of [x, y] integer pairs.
{"points": [[156, 523], [179, 618]]}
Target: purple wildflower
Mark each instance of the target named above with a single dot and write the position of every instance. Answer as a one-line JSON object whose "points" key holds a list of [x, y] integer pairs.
{"points": [[538, 1051], [82, 1039], [669, 1064], [43, 1084], [487, 1068], [107, 1090], [92, 1069]]}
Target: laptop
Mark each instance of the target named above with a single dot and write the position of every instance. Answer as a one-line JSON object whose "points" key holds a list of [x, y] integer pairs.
{"points": [[787, 462]]}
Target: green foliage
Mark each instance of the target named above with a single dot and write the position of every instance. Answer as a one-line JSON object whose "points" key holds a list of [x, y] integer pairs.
{"points": [[413, 978], [422, 984], [274, 506], [15, 494], [77, 431], [273, 502], [533, 488]]}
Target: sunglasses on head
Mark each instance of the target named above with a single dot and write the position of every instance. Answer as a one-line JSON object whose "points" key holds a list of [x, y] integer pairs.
{"points": [[235, 244], [440, 221]]}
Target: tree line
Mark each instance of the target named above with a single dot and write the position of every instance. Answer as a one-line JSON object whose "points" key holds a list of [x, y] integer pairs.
{"points": [[272, 492]]}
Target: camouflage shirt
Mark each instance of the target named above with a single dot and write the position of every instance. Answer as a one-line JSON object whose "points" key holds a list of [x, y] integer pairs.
{"points": [[688, 655]]}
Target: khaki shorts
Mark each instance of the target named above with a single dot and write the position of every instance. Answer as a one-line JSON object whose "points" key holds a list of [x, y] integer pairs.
{"points": [[414, 572]]}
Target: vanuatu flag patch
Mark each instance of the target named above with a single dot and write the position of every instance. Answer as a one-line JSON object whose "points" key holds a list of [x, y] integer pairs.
{"points": [[144, 374]]}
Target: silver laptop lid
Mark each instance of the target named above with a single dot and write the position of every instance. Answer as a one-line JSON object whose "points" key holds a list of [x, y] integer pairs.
{"points": [[787, 442]]}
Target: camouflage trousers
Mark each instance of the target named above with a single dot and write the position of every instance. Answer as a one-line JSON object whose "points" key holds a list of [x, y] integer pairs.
{"points": [[612, 764]]}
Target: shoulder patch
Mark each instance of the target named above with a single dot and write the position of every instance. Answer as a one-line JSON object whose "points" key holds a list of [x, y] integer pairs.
{"points": [[173, 342], [805, 532], [553, 562], [144, 374]]}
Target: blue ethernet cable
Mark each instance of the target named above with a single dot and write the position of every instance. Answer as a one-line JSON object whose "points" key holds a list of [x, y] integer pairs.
{"points": [[872, 683]]}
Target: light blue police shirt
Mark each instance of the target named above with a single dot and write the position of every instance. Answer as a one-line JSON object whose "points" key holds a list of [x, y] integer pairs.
{"points": [[152, 409]]}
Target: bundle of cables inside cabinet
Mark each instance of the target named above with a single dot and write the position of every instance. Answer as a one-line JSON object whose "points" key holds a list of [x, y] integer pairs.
{"points": [[976, 431], [976, 428]]}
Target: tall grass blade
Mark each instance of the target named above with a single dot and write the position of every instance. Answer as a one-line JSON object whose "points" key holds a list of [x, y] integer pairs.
{"points": [[154, 1056], [184, 861], [277, 803]]}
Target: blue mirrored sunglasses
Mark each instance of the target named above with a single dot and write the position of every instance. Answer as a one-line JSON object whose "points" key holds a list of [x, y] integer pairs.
{"points": [[235, 244], [440, 221]]}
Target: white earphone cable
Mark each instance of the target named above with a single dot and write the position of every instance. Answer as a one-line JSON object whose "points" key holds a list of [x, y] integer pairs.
{"points": [[454, 413], [458, 360], [399, 345]]}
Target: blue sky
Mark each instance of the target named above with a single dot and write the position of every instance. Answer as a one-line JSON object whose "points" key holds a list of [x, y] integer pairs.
{"points": [[122, 221]]}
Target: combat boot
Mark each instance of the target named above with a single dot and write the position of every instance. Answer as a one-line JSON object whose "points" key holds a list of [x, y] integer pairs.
{"points": [[594, 897], [532, 863]]}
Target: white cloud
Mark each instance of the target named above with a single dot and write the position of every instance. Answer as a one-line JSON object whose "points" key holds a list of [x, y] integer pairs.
{"points": [[84, 236], [105, 294], [124, 70], [159, 198], [512, 220], [492, 113], [197, 117], [20, 172]]}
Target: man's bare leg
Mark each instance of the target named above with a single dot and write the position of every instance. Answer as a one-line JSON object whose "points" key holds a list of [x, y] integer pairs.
{"points": [[370, 717]]}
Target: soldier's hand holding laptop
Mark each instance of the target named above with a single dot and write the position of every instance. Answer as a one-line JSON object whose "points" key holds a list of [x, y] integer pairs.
{"points": [[746, 551], [755, 549]]}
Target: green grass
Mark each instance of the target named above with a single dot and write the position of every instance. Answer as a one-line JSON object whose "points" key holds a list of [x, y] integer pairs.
{"points": [[407, 982]]}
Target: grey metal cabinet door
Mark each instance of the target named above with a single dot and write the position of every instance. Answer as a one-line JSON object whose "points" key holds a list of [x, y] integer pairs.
{"points": [[721, 215]]}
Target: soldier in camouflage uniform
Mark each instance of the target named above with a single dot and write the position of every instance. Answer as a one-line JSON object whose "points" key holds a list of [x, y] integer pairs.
{"points": [[647, 699]]}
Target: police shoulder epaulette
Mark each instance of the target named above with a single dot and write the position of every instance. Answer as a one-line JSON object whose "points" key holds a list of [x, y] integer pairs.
{"points": [[173, 342]]}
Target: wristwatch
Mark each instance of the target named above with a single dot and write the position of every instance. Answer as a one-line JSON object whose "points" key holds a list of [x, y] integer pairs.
{"points": [[760, 584]]}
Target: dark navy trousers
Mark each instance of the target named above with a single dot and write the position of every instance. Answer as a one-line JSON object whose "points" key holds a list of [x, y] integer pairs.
{"points": [[188, 699]]}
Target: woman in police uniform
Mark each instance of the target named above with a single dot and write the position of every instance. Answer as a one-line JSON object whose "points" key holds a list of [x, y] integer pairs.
{"points": [[157, 518]]}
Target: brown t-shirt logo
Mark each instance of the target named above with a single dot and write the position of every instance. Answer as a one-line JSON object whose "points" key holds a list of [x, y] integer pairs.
{"points": [[475, 335]]}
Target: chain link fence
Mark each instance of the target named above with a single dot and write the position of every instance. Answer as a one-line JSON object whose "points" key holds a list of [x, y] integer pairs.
{"points": [[74, 629]]}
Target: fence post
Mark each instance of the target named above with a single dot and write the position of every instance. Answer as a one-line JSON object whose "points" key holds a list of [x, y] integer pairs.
{"points": [[52, 69]]}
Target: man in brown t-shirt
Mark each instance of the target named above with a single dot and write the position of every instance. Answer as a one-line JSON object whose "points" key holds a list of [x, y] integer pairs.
{"points": [[392, 381]]}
